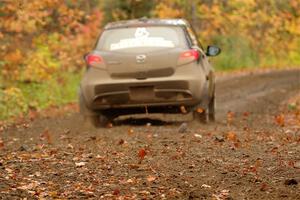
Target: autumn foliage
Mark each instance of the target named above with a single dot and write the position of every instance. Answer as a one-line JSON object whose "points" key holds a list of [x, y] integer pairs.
{"points": [[252, 32], [42, 43]]}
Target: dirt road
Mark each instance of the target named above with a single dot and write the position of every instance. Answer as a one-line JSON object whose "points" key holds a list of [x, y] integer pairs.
{"points": [[244, 155]]}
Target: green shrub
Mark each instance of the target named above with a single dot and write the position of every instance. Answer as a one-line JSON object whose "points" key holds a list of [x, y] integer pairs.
{"points": [[59, 90], [236, 53], [12, 103]]}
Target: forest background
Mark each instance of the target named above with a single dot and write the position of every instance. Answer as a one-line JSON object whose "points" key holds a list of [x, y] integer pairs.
{"points": [[42, 42]]}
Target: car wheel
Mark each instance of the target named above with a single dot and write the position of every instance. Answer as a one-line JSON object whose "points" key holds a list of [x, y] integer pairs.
{"points": [[94, 118], [98, 121], [211, 109], [200, 115]]}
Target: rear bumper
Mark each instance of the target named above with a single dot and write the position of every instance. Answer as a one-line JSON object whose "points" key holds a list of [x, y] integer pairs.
{"points": [[102, 92], [142, 94]]}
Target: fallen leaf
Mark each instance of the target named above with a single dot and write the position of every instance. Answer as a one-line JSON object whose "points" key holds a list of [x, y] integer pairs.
{"points": [[279, 119], [38, 174], [258, 163], [142, 154], [230, 117], [236, 144], [130, 131], [70, 146], [291, 163], [93, 138], [116, 191], [130, 181], [231, 136], [80, 164], [205, 186], [25, 125], [263, 187], [151, 178], [246, 114], [1, 143], [197, 135], [30, 186], [297, 164], [53, 194], [224, 194], [9, 170], [200, 110], [46, 136], [121, 141], [133, 166], [144, 192]]}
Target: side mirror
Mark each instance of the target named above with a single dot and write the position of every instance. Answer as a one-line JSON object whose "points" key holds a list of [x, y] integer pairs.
{"points": [[213, 51]]}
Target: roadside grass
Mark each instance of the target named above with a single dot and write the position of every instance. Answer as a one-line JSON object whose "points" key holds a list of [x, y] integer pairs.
{"points": [[18, 99], [58, 91]]}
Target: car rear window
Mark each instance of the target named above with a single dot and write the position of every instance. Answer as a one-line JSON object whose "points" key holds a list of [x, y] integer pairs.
{"points": [[141, 37]]}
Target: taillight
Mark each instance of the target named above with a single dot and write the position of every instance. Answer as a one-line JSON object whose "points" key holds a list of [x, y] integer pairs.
{"points": [[93, 59], [188, 57], [194, 54]]}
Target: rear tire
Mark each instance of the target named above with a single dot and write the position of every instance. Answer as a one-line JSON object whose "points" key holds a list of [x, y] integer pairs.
{"points": [[211, 109], [93, 118], [98, 121]]}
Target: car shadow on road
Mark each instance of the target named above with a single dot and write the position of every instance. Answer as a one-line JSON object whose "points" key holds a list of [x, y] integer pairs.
{"points": [[145, 121]]}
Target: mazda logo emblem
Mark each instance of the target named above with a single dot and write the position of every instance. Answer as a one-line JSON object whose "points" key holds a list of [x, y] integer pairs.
{"points": [[140, 58]]}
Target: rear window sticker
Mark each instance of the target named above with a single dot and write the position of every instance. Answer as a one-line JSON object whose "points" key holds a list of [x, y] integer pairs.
{"points": [[142, 39], [141, 32]]}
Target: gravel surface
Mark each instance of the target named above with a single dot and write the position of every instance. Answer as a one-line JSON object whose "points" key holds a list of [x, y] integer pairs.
{"points": [[249, 153]]}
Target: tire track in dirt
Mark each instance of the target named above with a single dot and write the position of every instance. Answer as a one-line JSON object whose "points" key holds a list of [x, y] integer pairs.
{"points": [[259, 94]]}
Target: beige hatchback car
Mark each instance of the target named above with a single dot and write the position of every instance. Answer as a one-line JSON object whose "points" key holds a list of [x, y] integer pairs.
{"points": [[148, 66]]}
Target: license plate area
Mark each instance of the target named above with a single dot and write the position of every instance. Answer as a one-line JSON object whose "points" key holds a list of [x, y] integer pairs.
{"points": [[142, 93]]}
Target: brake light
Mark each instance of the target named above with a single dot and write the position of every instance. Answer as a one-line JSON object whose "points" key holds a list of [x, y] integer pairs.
{"points": [[93, 59], [194, 54]]}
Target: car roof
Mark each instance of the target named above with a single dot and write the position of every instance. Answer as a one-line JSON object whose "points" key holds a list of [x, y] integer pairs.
{"points": [[146, 22]]}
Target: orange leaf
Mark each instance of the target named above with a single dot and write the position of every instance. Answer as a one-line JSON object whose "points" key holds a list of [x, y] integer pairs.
{"points": [[257, 163], [130, 131], [246, 114], [151, 178], [236, 144], [142, 154], [46, 136], [279, 119], [200, 110], [231, 136], [1, 143], [116, 192], [230, 116], [121, 141], [263, 187]]}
